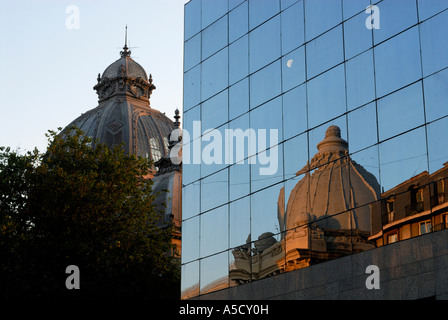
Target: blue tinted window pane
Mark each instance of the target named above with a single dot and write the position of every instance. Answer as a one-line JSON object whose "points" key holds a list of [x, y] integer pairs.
{"points": [[427, 8], [268, 167], [352, 7], [192, 52], [190, 239], [239, 222], [190, 280], [362, 128], [318, 51], [212, 154], [286, 3], [214, 231], [238, 22], [192, 87], [436, 95], [239, 98], [360, 80], [399, 162], [437, 146], [323, 107], [294, 112], [264, 44], [293, 27], [296, 155], [238, 59], [214, 271], [320, 16], [400, 111], [268, 116], [214, 74], [265, 84], [264, 212], [214, 190], [293, 69], [396, 16], [357, 37], [192, 18], [212, 10], [262, 10], [434, 43], [191, 200], [239, 180], [239, 146], [215, 111], [214, 37], [317, 135], [234, 3], [397, 56]]}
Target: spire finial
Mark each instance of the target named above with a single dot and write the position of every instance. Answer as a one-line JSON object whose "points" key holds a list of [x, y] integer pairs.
{"points": [[176, 117], [125, 51]]}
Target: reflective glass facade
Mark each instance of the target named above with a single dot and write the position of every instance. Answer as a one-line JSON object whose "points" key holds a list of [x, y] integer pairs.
{"points": [[355, 120]]}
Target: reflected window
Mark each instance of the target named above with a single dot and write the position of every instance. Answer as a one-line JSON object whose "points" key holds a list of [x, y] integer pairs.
{"points": [[292, 28], [318, 57], [425, 227], [190, 280], [264, 43], [323, 107], [400, 111], [391, 238], [268, 168], [296, 155], [399, 55], [390, 210]]}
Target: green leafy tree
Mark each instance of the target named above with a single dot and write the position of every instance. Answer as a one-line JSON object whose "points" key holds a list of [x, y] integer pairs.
{"points": [[86, 206]]}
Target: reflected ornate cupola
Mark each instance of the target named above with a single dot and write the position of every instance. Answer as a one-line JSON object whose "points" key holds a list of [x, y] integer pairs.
{"points": [[124, 77]]}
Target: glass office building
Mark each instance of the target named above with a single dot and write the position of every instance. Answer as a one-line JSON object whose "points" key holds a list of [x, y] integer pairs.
{"points": [[342, 102]]}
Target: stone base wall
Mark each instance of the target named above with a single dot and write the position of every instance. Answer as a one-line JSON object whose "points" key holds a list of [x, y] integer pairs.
{"points": [[416, 268]]}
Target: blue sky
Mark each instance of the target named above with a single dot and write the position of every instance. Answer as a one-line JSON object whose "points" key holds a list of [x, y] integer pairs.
{"points": [[49, 70]]}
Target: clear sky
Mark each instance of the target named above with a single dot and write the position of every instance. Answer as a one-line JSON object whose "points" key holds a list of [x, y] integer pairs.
{"points": [[49, 63]]}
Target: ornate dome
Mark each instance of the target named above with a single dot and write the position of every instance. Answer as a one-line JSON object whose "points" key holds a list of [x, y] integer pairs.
{"points": [[333, 183], [124, 114]]}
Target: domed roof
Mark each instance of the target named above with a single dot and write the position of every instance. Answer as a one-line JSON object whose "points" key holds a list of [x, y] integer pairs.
{"points": [[124, 114], [126, 65], [333, 183]]}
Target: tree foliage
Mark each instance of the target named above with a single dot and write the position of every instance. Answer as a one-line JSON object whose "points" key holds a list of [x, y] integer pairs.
{"points": [[86, 206]]}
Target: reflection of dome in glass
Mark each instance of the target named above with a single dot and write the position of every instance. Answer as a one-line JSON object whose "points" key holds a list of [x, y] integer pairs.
{"points": [[332, 183], [124, 114]]}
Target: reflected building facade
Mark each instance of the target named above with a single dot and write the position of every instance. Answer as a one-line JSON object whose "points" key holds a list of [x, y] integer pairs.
{"points": [[361, 120]]}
